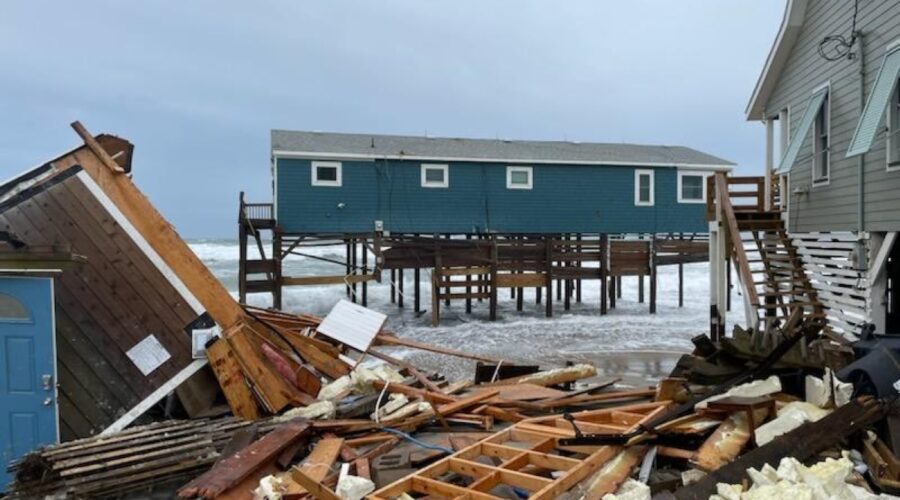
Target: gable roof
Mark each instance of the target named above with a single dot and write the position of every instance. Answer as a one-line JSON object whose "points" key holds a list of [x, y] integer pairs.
{"points": [[369, 146], [791, 24]]}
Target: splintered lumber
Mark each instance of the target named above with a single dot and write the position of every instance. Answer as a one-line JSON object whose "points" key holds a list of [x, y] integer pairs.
{"points": [[614, 472], [317, 465], [231, 380], [313, 486], [725, 443], [801, 443], [127, 462], [274, 390], [235, 468], [384, 339], [550, 377]]}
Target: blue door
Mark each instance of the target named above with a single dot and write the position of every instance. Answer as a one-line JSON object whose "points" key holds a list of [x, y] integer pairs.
{"points": [[27, 389]]}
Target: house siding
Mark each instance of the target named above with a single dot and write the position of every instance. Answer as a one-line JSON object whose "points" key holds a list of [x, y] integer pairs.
{"points": [[834, 207], [564, 198]]}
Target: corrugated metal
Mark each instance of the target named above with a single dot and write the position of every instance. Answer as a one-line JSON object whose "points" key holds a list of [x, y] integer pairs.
{"points": [[876, 105], [565, 198]]}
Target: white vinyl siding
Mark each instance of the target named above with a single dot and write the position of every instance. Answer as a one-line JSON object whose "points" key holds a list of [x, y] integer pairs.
{"points": [[519, 178], [435, 175], [643, 188], [327, 173]]}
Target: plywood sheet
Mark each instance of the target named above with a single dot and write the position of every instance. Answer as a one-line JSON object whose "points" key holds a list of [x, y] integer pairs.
{"points": [[352, 325]]}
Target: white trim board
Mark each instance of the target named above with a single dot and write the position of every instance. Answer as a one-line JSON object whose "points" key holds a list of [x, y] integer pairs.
{"points": [[139, 240], [280, 153], [637, 187], [692, 173], [154, 397], [445, 168]]}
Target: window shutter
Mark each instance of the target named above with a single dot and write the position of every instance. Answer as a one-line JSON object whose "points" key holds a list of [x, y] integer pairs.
{"points": [[876, 104], [790, 154]]}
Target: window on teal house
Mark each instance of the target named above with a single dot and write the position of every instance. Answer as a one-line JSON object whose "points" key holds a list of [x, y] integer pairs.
{"points": [[691, 187], [519, 178], [326, 173], [643, 188], [435, 175]]}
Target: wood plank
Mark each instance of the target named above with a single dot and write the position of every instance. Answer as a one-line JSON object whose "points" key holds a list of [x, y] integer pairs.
{"points": [[158, 233], [231, 379], [235, 468], [318, 464], [275, 391]]}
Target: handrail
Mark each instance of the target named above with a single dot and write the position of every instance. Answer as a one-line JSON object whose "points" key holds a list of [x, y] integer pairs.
{"points": [[726, 209]]}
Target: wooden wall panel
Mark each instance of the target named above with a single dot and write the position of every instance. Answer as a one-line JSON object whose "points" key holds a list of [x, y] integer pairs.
{"points": [[104, 307]]}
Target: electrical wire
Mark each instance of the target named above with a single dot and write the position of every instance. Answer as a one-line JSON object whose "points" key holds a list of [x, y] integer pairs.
{"points": [[836, 47], [421, 444]]}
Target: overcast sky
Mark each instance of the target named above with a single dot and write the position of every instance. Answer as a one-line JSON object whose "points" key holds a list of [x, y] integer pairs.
{"points": [[197, 85]]}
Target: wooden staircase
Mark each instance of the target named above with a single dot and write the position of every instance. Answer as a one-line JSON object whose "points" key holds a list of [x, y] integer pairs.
{"points": [[769, 266], [260, 275]]}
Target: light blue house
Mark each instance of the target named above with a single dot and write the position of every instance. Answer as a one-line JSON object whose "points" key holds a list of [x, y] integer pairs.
{"points": [[357, 183]]}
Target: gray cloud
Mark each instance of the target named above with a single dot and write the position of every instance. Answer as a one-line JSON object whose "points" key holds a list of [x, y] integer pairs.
{"points": [[197, 85]]}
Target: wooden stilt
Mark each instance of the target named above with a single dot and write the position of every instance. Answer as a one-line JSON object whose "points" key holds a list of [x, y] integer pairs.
{"points": [[436, 290], [393, 286], [640, 280], [578, 264], [619, 287], [613, 291], [353, 267], [652, 275], [680, 285], [493, 304], [365, 271], [728, 286], [417, 289], [400, 287], [447, 289], [347, 268], [278, 277], [604, 272], [468, 286], [548, 273]]}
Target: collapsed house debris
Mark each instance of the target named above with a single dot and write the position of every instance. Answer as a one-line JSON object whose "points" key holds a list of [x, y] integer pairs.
{"points": [[323, 408]]}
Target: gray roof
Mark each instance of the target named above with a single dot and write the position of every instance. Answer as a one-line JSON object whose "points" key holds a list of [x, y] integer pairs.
{"points": [[371, 145]]}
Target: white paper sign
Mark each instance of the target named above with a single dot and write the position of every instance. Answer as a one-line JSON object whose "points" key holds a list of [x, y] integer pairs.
{"points": [[148, 354]]}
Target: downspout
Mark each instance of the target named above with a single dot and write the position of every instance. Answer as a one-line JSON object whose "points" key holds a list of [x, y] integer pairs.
{"points": [[860, 160]]}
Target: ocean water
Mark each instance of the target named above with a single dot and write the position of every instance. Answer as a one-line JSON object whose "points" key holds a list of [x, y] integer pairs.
{"points": [[628, 342]]}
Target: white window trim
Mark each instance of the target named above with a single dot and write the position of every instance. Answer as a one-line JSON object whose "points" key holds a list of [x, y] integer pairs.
{"points": [[691, 173], [637, 188], [528, 170], [889, 133], [822, 181], [784, 116], [436, 166], [329, 164]]}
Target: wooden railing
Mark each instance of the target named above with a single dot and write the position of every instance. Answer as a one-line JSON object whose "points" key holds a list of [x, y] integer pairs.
{"points": [[752, 198], [726, 210]]}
